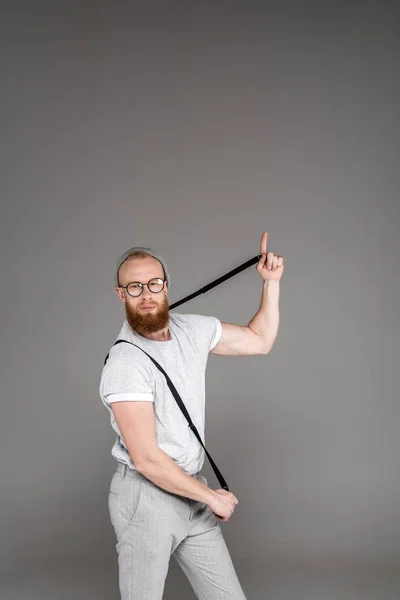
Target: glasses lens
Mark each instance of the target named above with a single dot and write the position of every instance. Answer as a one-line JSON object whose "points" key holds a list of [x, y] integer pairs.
{"points": [[156, 285], [134, 289]]}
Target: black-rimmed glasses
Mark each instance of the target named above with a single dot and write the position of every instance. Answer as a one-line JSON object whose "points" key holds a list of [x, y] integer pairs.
{"points": [[135, 288]]}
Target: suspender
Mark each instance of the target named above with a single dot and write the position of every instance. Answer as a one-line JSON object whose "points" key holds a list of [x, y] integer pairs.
{"points": [[181, 405]]}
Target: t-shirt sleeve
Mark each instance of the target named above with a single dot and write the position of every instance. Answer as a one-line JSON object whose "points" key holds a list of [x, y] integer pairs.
{"points": [[123, 379], [207, 330], [215, 332]]}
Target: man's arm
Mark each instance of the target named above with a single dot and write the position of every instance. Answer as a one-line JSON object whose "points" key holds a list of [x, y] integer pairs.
{"points": [[137, 425], [259, 336]]}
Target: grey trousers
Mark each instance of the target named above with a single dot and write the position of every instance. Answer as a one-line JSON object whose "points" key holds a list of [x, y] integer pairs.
{"points": [[152, 524]]}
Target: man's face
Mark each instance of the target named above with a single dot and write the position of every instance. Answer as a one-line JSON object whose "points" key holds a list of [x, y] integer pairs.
{"points": [[140, 318]]}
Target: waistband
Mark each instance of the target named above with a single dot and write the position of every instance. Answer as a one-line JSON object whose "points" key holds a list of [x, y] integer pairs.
{"points": [[125, 471]]}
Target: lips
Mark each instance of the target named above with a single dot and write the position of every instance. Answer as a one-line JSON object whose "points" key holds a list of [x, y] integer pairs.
{"points": [[149, 306]]}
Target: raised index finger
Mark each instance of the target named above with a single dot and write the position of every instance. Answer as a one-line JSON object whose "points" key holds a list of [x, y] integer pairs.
{"points": [[263, 246]]}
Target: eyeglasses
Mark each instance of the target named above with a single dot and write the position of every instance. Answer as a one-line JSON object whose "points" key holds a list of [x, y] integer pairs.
{"points": [[135, 288]]}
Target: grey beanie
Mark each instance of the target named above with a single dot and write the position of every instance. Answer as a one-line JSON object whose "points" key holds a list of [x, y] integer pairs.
{"points": [[125, 255]]}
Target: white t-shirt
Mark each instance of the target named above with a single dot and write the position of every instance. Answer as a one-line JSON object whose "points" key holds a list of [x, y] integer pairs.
{"points": [[130, 375]]}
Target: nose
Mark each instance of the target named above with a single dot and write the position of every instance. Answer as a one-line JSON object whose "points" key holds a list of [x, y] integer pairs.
{"points": [[147, 293]]}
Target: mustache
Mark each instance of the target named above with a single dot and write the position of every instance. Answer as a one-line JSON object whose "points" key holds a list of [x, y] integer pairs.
{"points": [[148, 322]]}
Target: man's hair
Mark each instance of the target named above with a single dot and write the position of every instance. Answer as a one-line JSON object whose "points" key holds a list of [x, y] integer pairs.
{"points": [[139, 254]]}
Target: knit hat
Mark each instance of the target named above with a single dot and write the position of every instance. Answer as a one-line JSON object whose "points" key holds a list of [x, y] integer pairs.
{"points": [[125, 255]]}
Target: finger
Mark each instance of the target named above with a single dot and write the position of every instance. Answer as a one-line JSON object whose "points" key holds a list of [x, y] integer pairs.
{"points": [[274, 263], [261, 262], [263, 245], [270, 257]]}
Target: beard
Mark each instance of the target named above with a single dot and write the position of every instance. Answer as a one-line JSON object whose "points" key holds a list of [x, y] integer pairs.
{"points": [[143, 322]]}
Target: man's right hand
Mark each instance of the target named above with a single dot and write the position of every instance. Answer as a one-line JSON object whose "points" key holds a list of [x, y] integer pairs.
{"points": [[223, 504]]}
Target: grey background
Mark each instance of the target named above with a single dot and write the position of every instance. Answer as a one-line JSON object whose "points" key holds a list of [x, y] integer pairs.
{"points": [[192, 127]]}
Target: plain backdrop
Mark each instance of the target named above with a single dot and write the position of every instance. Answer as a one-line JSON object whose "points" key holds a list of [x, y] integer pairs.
{"points": [[192, 127]]}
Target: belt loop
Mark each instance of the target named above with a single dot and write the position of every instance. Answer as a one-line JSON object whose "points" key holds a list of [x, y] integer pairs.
{"points": [[123, 471]]}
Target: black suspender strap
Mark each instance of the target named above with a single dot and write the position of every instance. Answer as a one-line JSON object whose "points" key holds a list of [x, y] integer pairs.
{"points": [[216, 282], [181, 405]]}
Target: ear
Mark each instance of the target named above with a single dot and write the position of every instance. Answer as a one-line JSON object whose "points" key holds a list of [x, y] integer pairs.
{"points": [[120, 294]]}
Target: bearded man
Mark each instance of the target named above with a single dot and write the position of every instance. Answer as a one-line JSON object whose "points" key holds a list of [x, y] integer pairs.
{"points": [[159, 503]]}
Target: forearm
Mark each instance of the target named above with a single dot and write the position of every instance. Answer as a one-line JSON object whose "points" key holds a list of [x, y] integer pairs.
{"points": [[265, 322], [165, 473]]}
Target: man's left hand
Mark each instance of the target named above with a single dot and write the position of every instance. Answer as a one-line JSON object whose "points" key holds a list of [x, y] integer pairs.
{"points": [[270, 265]]}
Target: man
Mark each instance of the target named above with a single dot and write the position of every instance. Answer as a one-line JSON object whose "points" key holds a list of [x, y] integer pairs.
{"points": [[159, 503]]}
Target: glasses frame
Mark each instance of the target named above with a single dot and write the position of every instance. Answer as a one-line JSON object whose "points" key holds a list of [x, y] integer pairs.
{"points": [[125, 287]]}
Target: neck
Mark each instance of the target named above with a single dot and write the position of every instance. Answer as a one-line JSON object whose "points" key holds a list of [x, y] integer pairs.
{"points": [[164, 335]]}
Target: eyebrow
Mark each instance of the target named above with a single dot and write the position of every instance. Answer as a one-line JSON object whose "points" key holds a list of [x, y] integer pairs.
{"points": [[137, 280]]}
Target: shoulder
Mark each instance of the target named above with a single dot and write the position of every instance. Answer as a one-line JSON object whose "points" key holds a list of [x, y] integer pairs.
{"points": [[205, 329], [127, 370], [193, 320], [124, 354]]}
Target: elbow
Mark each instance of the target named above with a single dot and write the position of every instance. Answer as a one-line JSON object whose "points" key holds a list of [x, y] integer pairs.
{"points": [[266, 348], [139, 466], [144, 462], [143, 467]]}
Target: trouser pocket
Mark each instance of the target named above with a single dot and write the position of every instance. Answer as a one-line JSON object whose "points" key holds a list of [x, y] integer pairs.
{"points": [[123, 500]]}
